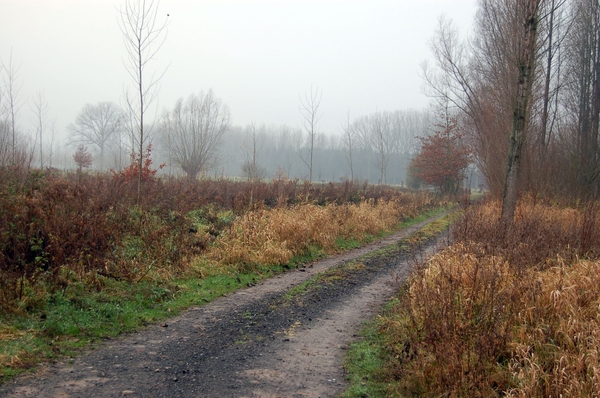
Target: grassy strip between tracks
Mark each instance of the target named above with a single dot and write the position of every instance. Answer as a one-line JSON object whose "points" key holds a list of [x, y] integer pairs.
{"points": [[430, 230], [75, 317]]}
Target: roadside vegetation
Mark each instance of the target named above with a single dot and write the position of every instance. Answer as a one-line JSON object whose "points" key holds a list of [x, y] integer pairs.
{"points": [[506, 310], [512, 307], [81, 259]]}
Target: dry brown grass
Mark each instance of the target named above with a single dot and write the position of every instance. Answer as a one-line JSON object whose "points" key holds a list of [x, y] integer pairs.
{"points": [[556, 338], [274, 236], [450, 326], [504, 311]]}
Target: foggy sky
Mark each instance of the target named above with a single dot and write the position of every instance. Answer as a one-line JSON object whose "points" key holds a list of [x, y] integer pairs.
{"points": [[257, 55]]}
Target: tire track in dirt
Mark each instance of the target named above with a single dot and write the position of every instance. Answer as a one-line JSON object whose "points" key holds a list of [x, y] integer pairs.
{"points": [[252, 343]]}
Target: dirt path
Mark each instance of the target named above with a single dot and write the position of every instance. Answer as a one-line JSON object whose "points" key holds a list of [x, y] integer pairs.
{"points": [[252, 343]]}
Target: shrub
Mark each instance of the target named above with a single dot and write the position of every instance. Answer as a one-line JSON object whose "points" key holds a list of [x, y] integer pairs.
{"points": [[132, 172], [506, 310]]}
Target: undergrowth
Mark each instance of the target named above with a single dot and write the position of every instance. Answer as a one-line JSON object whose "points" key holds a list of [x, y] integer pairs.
{"points": [[507, 310], [81, 259], [56, 227], [275, 236]]}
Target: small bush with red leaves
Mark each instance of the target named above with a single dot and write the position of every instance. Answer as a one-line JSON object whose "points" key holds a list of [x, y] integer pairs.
{"points": [[132, 172]]}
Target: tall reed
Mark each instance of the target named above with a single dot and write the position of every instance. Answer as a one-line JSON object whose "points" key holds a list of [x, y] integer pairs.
{"points": [[506, 310]]}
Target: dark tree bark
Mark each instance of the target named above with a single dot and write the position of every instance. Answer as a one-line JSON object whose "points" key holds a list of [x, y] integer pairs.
{"points": [[525, 64]]}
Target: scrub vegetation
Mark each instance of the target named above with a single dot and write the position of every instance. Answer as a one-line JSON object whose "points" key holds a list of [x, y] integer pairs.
{"points": [[82, 259], [511, 308], [507, 309]]}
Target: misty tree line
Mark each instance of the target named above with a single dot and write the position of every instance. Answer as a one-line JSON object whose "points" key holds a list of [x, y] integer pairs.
{"points": [[195, 139], [554, 47], [376, 147], [525, 87]]}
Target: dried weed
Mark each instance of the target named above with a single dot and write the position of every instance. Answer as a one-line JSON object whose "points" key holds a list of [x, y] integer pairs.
{"points": [[507, 310]]}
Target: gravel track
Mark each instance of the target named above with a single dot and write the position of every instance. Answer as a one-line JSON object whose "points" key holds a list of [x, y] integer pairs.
{"points": [[252, 343]]}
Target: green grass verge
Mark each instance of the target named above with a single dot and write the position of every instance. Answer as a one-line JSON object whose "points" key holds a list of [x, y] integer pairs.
{"points": [[364, 360], [74, 318]]}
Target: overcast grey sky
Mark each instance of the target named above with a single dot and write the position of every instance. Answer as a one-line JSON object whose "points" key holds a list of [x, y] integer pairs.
{"points": [[257, 55]]}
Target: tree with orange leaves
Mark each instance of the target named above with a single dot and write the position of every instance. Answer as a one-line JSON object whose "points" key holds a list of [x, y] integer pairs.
{"points": [[443, 158]]}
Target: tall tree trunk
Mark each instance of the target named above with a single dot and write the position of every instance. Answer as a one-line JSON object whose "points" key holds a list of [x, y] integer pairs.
{"points": [[544, 139], [587, 68], [142, 110], [595, 116], [520, 109]]}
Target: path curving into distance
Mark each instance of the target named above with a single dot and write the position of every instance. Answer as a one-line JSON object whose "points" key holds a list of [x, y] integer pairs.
{"points": [[255, 342]]}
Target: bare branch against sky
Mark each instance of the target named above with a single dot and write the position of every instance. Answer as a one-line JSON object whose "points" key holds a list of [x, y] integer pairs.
{"points": [[144, 35]]}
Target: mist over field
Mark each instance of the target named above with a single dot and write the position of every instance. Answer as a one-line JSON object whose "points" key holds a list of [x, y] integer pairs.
{"points": [[259, 58]]}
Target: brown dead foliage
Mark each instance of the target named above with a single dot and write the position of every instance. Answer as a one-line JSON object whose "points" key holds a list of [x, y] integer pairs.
{"points": [[507, 310], [274, 236], [56, 228]]}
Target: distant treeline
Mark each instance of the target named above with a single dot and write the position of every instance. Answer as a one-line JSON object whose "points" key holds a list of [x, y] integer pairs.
{"points": [[376, 147]]}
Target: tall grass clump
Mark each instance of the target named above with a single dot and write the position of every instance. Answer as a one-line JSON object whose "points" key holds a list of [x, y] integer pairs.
{"points": [[506, 310], [275, 236]]}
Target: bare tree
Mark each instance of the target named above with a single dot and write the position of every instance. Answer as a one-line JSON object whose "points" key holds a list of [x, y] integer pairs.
{"points": [[13, 105], [529, 13], [51, 142], [5, 143], [309, 108], [40, 120], [406, 126], [194, 129], [450, 79], [381, 142], [480, 77], [98, 126], [251, 147], [5, 138], [553, 37], [143, 35], [375, 134], [582, 96], [349, 143]]}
